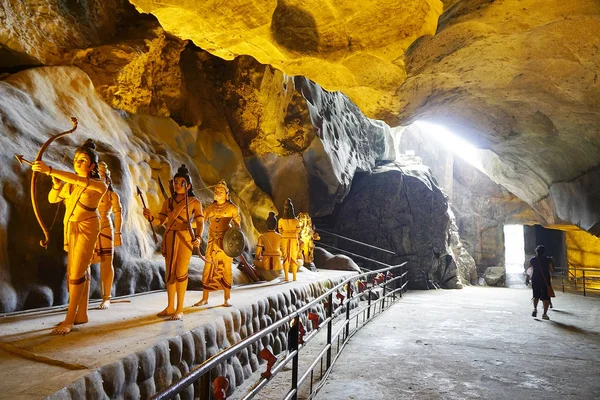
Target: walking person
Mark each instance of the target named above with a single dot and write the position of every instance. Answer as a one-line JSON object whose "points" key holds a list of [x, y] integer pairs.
{"points": [[541, 266]]}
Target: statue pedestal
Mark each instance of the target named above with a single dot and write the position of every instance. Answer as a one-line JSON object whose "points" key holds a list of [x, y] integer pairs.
{"points": [[130, 338]]}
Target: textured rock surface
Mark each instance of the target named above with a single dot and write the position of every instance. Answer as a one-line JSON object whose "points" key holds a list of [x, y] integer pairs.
{"points": [[37, 103], [578, 242], [481, 206], [328, 41], [340, 262], [325, 139], [139, 74], [484, 208], [40, 32], [522, 81], [494, 276], [400, 208]]}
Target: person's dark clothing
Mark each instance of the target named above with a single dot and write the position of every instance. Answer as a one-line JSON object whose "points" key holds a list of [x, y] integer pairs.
{"points": [[541, 265]]}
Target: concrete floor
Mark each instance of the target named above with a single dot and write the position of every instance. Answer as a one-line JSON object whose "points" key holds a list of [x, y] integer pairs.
{"points": [[475, 343]]}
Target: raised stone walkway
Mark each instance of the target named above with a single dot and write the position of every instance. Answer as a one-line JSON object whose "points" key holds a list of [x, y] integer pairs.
{"points": [[129, 352], [475, 343]]}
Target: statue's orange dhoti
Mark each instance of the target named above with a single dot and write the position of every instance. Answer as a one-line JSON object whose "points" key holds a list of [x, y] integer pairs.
{"points": [[217, 273]]}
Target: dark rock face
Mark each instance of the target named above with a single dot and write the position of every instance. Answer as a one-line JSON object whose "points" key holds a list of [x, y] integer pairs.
{"points": [[400, 208], [481, 206], [351, 141]]}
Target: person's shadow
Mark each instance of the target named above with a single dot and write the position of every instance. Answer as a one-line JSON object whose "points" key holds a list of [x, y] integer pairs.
{"points": [[574, 329]]}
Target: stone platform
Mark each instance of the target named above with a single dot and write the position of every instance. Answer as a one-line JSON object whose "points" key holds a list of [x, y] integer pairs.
{"points": [[129, 352]]}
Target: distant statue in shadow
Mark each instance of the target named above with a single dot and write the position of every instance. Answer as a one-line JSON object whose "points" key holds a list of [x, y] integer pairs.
{"points": [[289, 227]]}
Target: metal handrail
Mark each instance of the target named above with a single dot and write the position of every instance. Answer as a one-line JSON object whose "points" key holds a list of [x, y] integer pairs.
{"points": [[572, 274], [352, 254], [356, 241], [196, 373], [63, 307]]}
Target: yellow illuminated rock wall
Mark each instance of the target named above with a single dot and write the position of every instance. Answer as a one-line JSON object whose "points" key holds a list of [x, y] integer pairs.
{"points": [[583, 251], [353, 46]]}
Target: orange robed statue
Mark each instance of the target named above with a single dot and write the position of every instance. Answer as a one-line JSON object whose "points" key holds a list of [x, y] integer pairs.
{"points": [[178, 243], [307, 238], [268, 249], [217, 273], [289, 226], [81, 192]]}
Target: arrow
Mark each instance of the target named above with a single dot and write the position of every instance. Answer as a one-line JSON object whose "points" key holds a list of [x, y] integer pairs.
{"points": [[22, 159], [139, 193]]}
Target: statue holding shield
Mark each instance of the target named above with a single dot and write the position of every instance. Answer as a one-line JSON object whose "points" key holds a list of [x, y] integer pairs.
{"points": [[221, 214]]}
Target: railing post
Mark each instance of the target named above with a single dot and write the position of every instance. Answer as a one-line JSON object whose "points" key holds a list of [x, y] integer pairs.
{"points": [[293, 346], [401, 280], [562, 278], [329, 327], [394, 287], [348, 292], [369, 300], [384, 290], [584, 283], [204, 387]]}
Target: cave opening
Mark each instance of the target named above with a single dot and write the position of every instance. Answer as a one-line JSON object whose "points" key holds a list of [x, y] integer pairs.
{"points": [[514, 248], [514, 255], [453, 143]]}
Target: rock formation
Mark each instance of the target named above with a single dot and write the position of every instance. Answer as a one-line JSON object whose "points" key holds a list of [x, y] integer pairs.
{"points": [[399, 207], [280, 99]]}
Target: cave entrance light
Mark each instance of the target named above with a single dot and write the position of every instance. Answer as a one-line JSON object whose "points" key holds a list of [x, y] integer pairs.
{"points": [[453, 142], [514, 248]]}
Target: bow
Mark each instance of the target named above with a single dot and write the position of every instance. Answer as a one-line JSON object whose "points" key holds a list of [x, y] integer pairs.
{"points": [[34, 175]]}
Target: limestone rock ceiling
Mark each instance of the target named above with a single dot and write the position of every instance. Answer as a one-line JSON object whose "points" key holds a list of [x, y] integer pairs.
{"points": [[40, 31], [356, 47], [522, 80], [519, 79]]}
